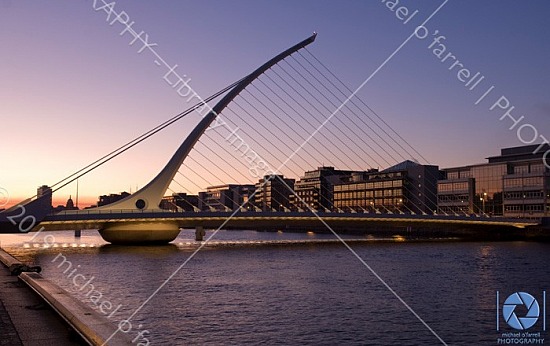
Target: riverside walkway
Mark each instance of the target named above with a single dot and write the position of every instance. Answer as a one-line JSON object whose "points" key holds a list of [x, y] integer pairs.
{"points": [[35, 311], [26, 320]]}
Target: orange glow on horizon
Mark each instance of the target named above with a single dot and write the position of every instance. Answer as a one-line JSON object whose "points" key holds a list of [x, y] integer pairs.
{"points": [[83, 201]]}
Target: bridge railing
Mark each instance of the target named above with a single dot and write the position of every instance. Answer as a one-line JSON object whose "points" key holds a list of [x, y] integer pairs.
{"points": [[121, 214], [93, 211]]}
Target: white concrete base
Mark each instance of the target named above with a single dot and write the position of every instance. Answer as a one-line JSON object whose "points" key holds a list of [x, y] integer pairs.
{"points": [[140, 233], [94, 327]]}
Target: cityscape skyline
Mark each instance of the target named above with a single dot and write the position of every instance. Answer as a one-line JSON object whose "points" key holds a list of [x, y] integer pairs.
{"points": [[512, 184], [102, 92], [213, 171]]}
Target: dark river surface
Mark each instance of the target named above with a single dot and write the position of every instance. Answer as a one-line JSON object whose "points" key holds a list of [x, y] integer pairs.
{"points": [[247, 287]]}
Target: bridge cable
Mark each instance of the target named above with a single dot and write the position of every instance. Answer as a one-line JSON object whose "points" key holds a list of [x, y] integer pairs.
{"points": [[328, 129], [436, 178], [362, 120], [266, 106], [349, 129], [328, 148], [364, 132], [367, 106], [136, 140]]}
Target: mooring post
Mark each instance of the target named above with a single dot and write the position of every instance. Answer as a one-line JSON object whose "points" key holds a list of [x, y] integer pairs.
{"points": [[199, 233]]}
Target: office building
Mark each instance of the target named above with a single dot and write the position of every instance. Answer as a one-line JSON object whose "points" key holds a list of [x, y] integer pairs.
{"points": [[407, 187], [226, 197], [46, 192], [314, 189], [513, 184], [274, 193], [526, 185], [180, 202], [113, 197]]}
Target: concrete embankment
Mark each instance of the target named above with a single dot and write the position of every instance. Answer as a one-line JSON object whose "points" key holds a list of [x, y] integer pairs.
{"points": [[35, 311]]}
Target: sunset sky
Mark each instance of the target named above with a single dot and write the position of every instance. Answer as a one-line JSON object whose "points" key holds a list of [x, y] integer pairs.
{"points": [[72, 88]]}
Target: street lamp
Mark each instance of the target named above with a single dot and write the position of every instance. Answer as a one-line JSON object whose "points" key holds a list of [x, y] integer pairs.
{"points": [[484, 198], [483, 209]]}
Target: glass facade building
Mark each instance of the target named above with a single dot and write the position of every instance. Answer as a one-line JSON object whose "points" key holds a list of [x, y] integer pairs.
{"points": [[274, 193], [407, 187], [314, 190], [513, 184], [526, 190], [226, 197], [371, 192]]}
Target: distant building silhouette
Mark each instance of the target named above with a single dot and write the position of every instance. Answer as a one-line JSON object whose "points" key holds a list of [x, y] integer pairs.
{"points": [[314, 189], [274, 193], [108, 199], [45, 190], [180, 200], [405, 187], [226, 197], [70, 204]]}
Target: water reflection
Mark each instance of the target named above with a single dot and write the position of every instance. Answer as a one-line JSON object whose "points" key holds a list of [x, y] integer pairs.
{"points": [[249, 287], [156, 250]]}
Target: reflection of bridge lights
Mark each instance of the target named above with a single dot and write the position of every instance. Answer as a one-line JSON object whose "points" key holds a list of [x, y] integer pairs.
{"points": [[310, 233], [398, 238], [26, 246]]}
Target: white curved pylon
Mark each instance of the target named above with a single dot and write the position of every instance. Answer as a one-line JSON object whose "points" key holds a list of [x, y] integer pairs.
{"points": [[149, 196]]}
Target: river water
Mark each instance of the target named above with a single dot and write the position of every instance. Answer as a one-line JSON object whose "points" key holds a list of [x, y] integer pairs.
{"points": [[247, 287]]}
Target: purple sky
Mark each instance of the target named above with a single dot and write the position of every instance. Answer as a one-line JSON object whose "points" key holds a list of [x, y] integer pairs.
{"points": [[73, 89]]}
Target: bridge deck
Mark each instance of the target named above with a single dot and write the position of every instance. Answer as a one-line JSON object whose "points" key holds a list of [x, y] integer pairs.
{"points": [[276, 220]]}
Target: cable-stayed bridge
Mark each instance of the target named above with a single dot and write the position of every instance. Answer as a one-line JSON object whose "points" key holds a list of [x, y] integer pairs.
{"points": [[303, 115]]}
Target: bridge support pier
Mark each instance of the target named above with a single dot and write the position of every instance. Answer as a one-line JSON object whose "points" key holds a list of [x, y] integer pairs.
{"points": [[199, 233], [140, 233], [77, 233]]}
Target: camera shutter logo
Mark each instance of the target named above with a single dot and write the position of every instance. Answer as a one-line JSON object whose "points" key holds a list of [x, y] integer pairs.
{"points": [[520, 322]]}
